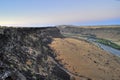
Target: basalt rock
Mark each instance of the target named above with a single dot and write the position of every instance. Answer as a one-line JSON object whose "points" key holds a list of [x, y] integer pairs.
{"points": [[25, 54]]}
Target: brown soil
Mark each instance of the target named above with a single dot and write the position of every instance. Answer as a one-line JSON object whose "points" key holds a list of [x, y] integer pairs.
{"points": [[85, 59]]}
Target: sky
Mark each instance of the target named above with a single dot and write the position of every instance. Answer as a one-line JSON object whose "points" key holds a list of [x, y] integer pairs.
{"points": [[59, 12]]}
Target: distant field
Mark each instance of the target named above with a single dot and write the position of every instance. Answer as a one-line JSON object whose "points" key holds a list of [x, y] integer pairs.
{"points": [[85, 59]]}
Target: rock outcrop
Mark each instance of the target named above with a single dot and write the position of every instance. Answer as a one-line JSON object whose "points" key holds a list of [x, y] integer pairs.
{"points": [[25, 54]]}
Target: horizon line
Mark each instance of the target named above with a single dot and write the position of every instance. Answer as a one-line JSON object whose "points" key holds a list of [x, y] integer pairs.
{"points": [[116, 25]]}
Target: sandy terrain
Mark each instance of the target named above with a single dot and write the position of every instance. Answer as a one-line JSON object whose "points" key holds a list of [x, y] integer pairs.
{"points": [[85, 59]]}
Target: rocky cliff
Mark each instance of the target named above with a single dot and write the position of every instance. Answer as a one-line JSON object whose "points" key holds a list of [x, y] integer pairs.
{"points": [[25, 54]]}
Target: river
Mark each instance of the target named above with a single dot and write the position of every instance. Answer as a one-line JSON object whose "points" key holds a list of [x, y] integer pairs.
{"points": [[105, 47]]}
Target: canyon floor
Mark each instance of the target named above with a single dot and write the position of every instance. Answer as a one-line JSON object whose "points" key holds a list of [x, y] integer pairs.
{"points": [[82, 58]]}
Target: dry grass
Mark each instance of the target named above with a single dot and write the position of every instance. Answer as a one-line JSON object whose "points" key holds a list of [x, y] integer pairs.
{"points": [[86, 59]]}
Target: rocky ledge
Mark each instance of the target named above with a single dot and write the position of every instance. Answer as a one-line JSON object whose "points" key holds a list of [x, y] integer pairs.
{"points": [[25, 54]]}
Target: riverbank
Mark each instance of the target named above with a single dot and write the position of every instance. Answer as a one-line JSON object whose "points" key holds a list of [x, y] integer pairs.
{"points": [[108, 43]]}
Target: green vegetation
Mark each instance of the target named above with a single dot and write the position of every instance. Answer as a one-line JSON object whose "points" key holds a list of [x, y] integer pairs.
{"points": [[108, 43]]}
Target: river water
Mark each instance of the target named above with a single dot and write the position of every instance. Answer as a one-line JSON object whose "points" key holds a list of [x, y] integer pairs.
{"points": [[105, 47]]}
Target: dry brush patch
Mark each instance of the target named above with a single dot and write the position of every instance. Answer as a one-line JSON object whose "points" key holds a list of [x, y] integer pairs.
{"points": [[83, 58]]}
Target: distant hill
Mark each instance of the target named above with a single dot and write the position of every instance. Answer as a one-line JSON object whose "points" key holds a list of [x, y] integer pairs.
{"points": [[107, 32]]}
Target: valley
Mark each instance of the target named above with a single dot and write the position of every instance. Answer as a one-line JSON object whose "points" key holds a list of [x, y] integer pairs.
{"points": [[59, 53]]}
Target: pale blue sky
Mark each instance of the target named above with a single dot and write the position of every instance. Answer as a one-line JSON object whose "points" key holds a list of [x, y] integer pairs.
{"points": [[59, 12]]}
